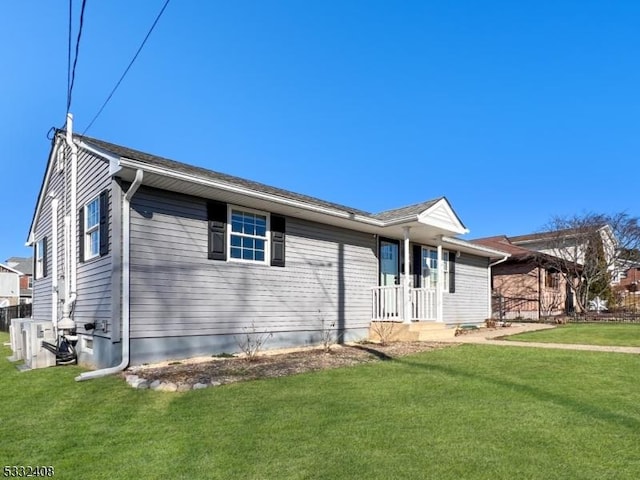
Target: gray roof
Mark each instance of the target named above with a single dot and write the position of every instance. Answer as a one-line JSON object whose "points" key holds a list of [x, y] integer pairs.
{"points": [[402, 212], [232, 180], [22, 264]]}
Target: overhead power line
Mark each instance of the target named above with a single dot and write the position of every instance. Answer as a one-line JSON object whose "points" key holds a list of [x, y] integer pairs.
{"points": [[124, 74], [75, 59]]}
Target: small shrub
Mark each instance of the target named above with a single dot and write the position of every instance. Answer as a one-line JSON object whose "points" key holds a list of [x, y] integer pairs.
{"points": [[327, 330], [384, 331], [490, 323], [252, 341]]}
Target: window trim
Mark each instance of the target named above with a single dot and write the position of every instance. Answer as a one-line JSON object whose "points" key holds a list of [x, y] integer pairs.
{"points": [[446, 269], [88, 255], [266, 238], [40, 259]]}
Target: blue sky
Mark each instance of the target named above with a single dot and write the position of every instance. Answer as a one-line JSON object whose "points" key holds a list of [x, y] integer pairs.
{"points": [[515, 111]]}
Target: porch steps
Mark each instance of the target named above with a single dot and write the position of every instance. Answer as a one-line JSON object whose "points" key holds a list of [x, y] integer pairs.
{"points": [[411, 332]]}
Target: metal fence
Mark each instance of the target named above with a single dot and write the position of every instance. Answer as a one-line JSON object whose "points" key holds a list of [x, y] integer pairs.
{"points": [[16, 311]]}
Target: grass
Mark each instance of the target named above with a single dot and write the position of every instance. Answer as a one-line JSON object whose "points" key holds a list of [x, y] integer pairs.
{"points": [[612, 334], [467, 412]]}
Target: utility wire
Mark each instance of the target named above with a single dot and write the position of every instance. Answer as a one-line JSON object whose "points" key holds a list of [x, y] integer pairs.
{"points": [[75, 59], [124, 74]]}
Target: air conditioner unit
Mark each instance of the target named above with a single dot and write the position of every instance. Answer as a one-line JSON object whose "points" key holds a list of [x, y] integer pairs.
{"points": [[33, 334], [15, 333]]}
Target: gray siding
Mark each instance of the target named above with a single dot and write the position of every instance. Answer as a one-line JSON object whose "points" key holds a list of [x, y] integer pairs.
{"points": [[176, 291], [94, 277], [470, 302]]}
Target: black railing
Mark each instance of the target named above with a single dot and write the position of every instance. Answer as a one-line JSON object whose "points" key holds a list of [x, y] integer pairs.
{"points": [[15, 311]]}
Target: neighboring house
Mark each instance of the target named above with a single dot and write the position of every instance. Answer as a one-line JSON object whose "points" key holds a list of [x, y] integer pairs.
{"points": [[25, 266], [175, 260], [570, 244], [628, 286], [528, 284], [9, 286]]}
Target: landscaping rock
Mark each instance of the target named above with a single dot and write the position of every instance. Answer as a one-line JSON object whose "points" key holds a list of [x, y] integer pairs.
{"points": [[140, 383], [131, 379], [200, 386], [215, 383], [167, 387], [155, 384], [183, 387]]}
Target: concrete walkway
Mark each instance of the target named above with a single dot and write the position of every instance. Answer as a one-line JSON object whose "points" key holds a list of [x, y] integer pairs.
{"points": [[490, 337]]}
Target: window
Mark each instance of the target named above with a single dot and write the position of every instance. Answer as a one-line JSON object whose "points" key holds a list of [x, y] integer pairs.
{"points": [[30, 282], [551, 279], [430, 268], [93, 220], [92, 228], [41, 258], [248, 235]]}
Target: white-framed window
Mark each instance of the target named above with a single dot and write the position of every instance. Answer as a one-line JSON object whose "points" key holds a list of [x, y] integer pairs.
{"points": [[430, 268], [248, 237], [92, 229], [40, 253], [30, 282]]}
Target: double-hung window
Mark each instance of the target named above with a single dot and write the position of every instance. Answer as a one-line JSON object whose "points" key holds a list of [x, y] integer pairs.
{"points": [[248, 235], [430, 268], [92, 228], [41, 247]]}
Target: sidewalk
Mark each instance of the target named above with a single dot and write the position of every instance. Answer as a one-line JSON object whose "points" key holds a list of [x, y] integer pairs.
{"points": [[490, 337]]}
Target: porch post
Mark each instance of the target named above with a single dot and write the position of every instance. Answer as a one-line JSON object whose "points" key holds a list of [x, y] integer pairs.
{"points": [[407, 277], [439, 286]]}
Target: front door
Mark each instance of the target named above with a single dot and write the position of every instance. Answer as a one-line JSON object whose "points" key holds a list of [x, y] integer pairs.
{"points": [[389, 255]]}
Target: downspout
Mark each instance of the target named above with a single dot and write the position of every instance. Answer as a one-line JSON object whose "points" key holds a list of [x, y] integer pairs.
{"points": [[54, 263], [126, 232], [66, 323], [503, 259]]}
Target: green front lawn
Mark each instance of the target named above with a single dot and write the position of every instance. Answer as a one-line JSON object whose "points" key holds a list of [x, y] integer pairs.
{"points": [[613, 334], [467, 412]]}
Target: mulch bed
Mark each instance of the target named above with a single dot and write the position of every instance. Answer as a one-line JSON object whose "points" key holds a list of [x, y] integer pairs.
{"points": [[230, 370]]}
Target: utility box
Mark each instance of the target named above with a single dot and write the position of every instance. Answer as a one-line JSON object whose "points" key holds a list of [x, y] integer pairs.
{"points": [[33, 334], [15, 334]]}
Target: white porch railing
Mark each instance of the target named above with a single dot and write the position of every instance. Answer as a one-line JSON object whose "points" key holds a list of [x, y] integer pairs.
{"points": [[388, 304]]}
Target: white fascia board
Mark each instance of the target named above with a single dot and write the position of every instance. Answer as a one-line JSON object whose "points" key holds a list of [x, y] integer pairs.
{"points": [[13, 270], [41, 196], [126, 162], [483, 251], [425, 217], [114, 160]]}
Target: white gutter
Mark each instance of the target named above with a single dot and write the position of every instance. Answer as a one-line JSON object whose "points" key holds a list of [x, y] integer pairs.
{"points": [[126, 320], [125, 162], [66, 323], [54, 263], [506, 257]]}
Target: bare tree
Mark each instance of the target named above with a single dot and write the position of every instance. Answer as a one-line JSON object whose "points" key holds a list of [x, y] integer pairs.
{"points": [[589, 249]]}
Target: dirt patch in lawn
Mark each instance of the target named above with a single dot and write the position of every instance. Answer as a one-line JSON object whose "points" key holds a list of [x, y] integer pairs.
{"points": [[228, 370]]}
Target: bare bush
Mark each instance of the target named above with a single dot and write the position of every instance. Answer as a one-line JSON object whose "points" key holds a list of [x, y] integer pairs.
{"points": [[251, 341], [384, 331]]}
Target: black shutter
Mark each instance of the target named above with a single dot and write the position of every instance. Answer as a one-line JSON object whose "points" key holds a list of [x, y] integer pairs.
{"points": [[217, 216], [104, 223], [278, 230], [452, 272], [416, 266], [81, 234], [45, 257]]}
